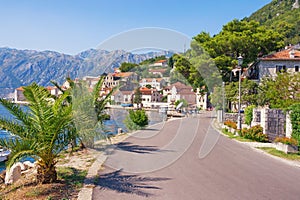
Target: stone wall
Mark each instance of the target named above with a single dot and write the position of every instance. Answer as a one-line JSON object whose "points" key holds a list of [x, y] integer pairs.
{"points": [[256, 117], [275, 122], [233, 117], [272, 121]]}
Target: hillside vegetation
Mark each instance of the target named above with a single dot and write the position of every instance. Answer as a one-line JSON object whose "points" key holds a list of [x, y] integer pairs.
{"points": [[282, 16]]}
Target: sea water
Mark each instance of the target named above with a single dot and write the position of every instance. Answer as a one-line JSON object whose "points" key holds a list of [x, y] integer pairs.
{"points": [[117, 117]]}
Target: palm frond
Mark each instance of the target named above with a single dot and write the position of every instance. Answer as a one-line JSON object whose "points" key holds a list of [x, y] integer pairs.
{"points": [[97, 88], [16, 111], [40, 105], [13, 127], [18, 156], [57, 85]]}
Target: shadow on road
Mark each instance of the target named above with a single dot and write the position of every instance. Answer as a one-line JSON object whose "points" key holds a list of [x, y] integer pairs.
{"points": [[131, 184], [129, 147]]}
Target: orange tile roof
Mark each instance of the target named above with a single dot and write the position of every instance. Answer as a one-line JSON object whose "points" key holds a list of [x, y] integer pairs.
{"points": [[160, 61], [147, 91], [180, 85], [20, 89], [50, 87], [283, 55], [123, 74]]}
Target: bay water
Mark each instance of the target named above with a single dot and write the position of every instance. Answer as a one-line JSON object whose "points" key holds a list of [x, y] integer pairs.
{"points": [[110, 126]]}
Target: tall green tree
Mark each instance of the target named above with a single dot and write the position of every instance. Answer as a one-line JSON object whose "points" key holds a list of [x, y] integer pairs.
{"points": [[249, 93], [280, 92], [88, 110], [246, 38], [137, 97], [126, 67], [41, 132]]}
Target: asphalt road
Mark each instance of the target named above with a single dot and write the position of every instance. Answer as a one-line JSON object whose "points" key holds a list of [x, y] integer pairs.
{"points": [[187, 159]]}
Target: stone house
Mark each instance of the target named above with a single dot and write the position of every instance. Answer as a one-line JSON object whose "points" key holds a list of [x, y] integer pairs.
{"points": [[178, 91], [287, 60], [157, 83], [160, 63], [122, 97], [158, 71], [150, 95], [201, 99], [19, 96], [54, 90]]}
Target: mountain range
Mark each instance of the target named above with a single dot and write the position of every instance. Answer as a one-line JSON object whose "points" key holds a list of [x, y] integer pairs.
{"points": [[22, 67]]}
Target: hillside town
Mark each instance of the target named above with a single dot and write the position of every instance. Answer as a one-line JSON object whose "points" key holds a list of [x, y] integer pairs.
{"points": [[155, 92], [150, 113], [159, 92]]}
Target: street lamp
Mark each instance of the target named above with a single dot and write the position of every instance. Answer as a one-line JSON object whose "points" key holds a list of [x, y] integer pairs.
{"points": [[239, 121]]}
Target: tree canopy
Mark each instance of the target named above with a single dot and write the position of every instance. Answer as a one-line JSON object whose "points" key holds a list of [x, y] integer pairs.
{"points": [[281, 17], [126, 67], [42, 132], [281, 92], [248, 39]]}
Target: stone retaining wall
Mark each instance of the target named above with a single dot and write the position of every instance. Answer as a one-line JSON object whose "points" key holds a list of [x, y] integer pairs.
{"points": [[271, 120], [233, 117]]}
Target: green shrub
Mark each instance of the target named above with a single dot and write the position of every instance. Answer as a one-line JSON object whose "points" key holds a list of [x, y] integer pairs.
{"points": [[254, 133], [249, 114], [136, 120], [295, 119]]}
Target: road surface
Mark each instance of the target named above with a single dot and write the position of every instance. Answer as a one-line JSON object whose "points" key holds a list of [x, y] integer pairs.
{"points": [[163, 162]]}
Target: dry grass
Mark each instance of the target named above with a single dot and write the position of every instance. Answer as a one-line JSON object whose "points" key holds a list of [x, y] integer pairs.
{"points": [[71, 173]]}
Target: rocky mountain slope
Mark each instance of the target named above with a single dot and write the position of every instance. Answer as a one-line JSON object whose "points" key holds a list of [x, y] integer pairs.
{"points": [[22, 67]]}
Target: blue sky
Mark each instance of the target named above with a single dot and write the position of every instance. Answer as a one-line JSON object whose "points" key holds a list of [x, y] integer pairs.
{"points": [[71, 26]]}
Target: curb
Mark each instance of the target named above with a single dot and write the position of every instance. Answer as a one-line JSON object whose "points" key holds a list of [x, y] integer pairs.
{"points": [[86, 192], [254, 145]]}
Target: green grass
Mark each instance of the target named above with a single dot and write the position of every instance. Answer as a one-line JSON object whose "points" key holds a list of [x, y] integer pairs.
{"points": [[274, 152], [72, 176], [232, 136]]}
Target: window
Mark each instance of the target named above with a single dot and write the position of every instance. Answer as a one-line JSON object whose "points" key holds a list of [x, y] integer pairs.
{"points": [[280, 68], [297, 68]]}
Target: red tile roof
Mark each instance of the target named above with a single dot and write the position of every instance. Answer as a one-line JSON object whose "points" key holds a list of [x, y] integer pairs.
{"points": [[123, 74], [160, 61], [20, 89], [283, 55]]}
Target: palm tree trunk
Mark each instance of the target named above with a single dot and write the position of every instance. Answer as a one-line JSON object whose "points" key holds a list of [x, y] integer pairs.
{"points": [[46, 174]]}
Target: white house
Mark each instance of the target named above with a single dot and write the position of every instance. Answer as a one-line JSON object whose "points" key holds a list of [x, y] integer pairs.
{"points": [[19, 96], [156, 83], [287, 60], [178, 91], [122, 97], [160, 63], [201, 99]]}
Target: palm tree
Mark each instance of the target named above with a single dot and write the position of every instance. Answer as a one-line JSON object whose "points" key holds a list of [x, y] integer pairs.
{"points": [[41, 131], [87, 110]]}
